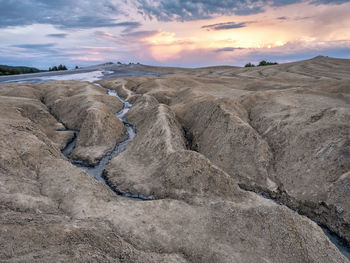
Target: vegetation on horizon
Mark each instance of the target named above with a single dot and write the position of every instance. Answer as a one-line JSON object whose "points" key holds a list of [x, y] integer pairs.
{"points": [[249, 65], [261, 64], [59, 68], [10, 70]]}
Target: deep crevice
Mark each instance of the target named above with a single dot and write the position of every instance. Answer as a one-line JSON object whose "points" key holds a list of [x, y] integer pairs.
{"points": [[134, 89], [189, 140], [321, 213], [97, 171], [281, 197]]}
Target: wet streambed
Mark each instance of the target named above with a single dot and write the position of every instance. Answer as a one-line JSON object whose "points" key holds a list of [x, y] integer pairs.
{"points": [[97, 170]]}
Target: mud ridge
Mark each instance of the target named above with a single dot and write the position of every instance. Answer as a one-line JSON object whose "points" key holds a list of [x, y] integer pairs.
{"points": [[126, 194], [320, 212], [272, 162]]}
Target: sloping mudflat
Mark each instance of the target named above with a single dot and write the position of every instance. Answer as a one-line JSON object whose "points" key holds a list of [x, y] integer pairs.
{"points": [[212, 147]]}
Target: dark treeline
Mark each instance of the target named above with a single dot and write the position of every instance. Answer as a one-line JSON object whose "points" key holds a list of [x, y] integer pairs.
{"points": [[58, 68], [261, 64], [9, 70]]}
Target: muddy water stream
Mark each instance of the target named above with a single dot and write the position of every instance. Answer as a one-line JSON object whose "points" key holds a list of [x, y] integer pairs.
{"points": [[97, 170]]}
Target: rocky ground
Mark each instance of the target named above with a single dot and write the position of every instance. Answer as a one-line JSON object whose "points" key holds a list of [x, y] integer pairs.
{"points": [[213, 147]]}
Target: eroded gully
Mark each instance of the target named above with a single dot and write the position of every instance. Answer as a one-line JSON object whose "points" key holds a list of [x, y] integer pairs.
{"points": [[97, 170]]}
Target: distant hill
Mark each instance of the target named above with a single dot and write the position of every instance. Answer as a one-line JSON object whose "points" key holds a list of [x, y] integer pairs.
{"points": [[10, 70]]}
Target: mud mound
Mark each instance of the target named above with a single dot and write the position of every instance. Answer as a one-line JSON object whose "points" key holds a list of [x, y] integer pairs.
{"points": [[219, 130], [58, 239], [310, 138], [161, 166], [100, 132], [65, 214], [278, 130], [35, 111], [88, 108]]}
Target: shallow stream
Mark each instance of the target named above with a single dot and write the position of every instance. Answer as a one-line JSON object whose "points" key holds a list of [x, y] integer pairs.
{"points": [[97, 170]]}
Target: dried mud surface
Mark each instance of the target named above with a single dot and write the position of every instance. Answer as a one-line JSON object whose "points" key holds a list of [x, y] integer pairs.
{"points": [[208, 143]]}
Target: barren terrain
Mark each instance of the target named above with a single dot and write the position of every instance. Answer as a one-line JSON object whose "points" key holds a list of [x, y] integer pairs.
{"points": [[228, 165]]}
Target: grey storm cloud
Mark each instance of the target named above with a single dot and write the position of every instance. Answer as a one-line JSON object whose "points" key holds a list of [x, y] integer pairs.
{"points": [[47, 48], [228, 49], [125, 38], [64, 14], [182, 10], [141, 34], [34, 46], [330, 1], [225, 26], [67, 14], [60, 35], [195, 9]]}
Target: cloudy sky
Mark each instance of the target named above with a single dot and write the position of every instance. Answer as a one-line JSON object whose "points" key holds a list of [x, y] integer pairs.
{"points": [[187, 33]]}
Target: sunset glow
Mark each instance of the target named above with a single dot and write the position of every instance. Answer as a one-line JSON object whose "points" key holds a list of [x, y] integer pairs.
{"points": [[131, 31]]}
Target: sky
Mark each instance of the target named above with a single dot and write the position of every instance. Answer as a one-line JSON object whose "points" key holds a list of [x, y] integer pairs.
{"points": [[186, 33]]}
